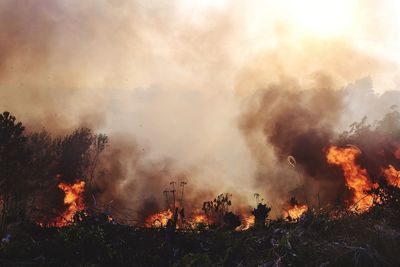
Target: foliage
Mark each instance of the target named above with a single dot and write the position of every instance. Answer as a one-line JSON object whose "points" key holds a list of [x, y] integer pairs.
{"points": [[217, 208], [30, 163], [13, 159], [260, 214], [231, 221], [318, 240], [323, 237]]}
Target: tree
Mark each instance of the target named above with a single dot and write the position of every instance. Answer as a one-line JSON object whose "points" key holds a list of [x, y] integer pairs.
{"points": [[231, 221], [260, 214], [217, 208], [99, 142], [78, 155], [73, 155], [13, 159], [41, 182]]}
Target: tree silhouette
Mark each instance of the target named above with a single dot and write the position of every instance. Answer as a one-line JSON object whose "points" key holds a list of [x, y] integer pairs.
{"points": [[13, 160], [260, 214], [231, 221], [217, 208]]}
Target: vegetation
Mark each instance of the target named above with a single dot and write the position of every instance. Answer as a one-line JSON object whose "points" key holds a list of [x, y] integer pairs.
{"points": [[217, 209], [319, 238], [260, 214], [29, 163]]}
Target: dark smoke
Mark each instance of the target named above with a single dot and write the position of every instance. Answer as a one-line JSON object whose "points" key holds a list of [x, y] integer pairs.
{"points": [[303, 124]]}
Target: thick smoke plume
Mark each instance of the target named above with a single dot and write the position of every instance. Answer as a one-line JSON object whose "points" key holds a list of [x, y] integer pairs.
{"points": [[280, 123]]}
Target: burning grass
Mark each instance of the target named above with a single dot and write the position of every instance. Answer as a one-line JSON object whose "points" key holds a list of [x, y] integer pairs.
{"points": [[296, 211]]}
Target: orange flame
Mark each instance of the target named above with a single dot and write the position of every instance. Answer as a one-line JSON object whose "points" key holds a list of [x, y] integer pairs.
{"points": [[247, 221], [392, 176], [356, 178], [296, 211], [73, 199], [196, 220], [200, 218], [159, 219]]}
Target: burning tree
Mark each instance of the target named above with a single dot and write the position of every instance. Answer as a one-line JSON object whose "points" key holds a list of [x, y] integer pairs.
{"points": [[29, 164]]}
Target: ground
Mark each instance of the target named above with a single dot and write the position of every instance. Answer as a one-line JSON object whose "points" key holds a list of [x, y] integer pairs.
{"points": [[317, 239]]}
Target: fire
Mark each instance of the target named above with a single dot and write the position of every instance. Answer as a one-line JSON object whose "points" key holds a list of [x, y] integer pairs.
{"points": [[392, 176], [159, 219], [296, 211], [197, 220], [73, 199], [356, 178], [247, 221], [200, 218]]}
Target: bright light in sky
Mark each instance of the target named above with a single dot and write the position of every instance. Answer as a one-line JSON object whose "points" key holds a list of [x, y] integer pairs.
{"points": [[201, 5], [322, 17]]}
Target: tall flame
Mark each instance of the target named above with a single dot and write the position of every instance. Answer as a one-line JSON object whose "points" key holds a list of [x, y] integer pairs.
{"points": [[73, 199], [356, 178]]}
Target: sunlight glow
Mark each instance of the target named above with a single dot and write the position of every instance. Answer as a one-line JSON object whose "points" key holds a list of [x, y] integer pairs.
{"points": [[322, 17]]}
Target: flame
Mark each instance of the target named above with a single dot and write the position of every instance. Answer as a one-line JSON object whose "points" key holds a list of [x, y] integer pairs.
{"points": [[392, 176], [196, 220], [247, 221], [296, 211], [356, 178], [73, 199], [159, 220], [200, 218]]}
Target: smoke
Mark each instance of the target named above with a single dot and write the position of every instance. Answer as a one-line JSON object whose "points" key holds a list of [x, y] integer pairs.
{"points": [[280, 122], [168, 82], [296, 123]]}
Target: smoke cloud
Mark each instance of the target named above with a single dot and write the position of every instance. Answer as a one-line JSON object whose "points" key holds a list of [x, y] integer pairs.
{"points": [[218, 93]]}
